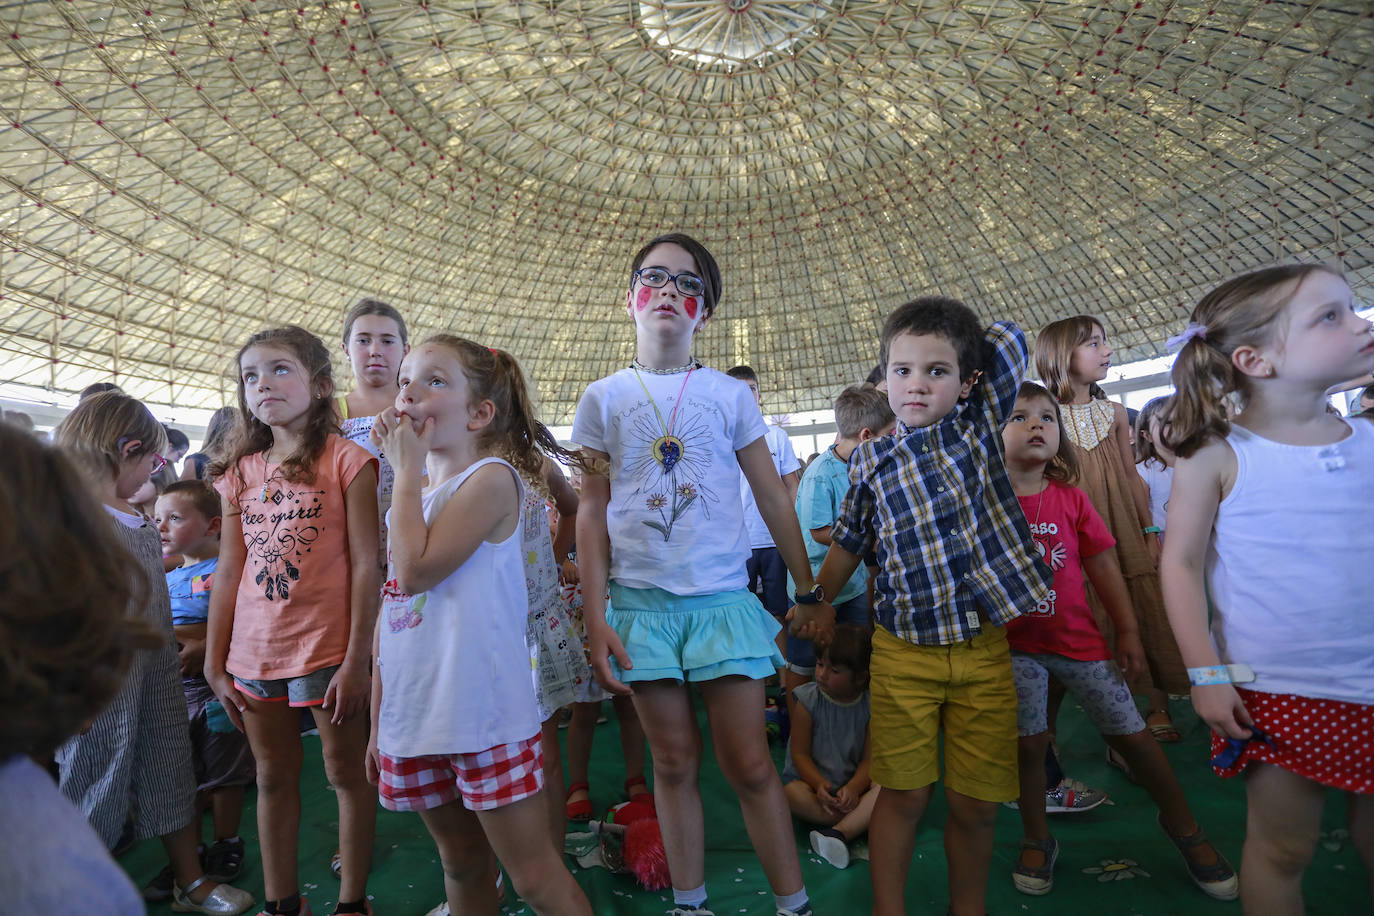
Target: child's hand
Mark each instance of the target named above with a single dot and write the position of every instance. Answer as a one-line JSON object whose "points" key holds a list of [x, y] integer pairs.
{"points": [[569, 573], [846, 799], [1130, 655], [602, 643], [815, 622], [228, 695], [405, 447], [374, 760], [826, 796], [1221, 708], [348, 693], [191, 655], [1153, 545]]}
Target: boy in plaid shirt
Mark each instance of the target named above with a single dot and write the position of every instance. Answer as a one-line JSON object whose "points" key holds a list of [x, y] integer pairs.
{"points": [[956, 561]]}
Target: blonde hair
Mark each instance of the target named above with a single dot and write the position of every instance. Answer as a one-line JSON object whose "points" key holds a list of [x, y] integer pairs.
{"points": [[514, 433], [67, 628], [1243, 311], [98, 429], [1063, 466], [860, 408], [1054, 347]]}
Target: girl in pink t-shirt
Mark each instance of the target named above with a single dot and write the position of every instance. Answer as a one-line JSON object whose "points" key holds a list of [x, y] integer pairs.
{"points": [[1060, 637], [295, 602]]}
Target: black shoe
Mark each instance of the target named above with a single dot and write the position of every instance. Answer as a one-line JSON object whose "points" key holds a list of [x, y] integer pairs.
{"points": [[224, 861], [127, 840], [160, 888]]}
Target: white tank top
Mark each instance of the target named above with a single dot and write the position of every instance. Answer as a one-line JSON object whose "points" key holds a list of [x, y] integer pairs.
{"points": [[457, 673], [1291, 567]]}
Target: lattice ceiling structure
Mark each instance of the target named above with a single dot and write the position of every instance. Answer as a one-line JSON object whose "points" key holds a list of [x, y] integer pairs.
{"points": [[174, 176]]}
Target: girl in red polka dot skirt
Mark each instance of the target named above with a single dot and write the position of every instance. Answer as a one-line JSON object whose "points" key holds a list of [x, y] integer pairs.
{"points": [[1268, 489]]}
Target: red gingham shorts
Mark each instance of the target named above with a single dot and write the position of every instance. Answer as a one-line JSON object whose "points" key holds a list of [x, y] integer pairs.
{"points": [[485, 780]]}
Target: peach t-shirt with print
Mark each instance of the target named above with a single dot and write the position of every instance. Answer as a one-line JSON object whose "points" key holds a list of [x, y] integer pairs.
{"points": [[291, 615]]}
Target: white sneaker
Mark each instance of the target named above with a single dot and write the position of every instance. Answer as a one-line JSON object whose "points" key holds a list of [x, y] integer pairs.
{"points": [[832, 849]]}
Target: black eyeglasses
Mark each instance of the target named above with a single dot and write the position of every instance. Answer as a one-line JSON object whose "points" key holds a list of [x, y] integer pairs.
{"points": [[657, 278]]}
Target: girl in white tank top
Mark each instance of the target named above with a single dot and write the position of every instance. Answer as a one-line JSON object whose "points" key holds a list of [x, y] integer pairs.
{"points": [[1266, 505]]}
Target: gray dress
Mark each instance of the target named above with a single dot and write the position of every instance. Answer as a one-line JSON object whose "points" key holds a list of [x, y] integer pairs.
{"points": [[837, 735]]}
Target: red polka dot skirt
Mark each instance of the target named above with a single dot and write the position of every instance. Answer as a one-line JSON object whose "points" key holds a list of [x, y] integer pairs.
{"points": [[1330, 742]]}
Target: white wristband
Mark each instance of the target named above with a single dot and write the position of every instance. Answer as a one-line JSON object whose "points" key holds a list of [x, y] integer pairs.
{"points": [[1220, 674]]}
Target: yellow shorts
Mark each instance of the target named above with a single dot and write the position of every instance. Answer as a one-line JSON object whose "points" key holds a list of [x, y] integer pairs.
{"points": [[966, 691]]}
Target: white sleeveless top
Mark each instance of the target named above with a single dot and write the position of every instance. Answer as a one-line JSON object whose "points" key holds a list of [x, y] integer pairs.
{"points": [[457, 673], [1289, 566]]}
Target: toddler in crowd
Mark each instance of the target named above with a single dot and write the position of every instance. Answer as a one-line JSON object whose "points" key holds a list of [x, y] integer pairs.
{"points": [[956, 562], [188, 520], [826, 772], [1154, 460]]}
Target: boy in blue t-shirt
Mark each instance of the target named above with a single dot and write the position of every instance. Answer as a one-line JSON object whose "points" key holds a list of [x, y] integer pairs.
{"points": [[861, 413], [188, 520]]}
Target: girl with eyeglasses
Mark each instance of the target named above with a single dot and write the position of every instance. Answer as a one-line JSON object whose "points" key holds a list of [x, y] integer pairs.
{"points": [[140, 746], [664, 441]]}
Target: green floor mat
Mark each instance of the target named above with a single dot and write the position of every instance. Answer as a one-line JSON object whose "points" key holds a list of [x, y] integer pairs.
{"points": [[1114, 860]]}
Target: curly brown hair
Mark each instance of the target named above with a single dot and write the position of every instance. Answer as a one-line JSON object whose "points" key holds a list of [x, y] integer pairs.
{"points": [[66, 634], [323, 420]]}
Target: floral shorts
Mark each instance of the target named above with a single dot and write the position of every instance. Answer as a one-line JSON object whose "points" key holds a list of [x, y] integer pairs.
{"points": [[485, 780], [1097, 686]]}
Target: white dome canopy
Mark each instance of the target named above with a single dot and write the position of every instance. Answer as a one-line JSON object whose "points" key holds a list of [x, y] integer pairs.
{"points": [[177, 176]]}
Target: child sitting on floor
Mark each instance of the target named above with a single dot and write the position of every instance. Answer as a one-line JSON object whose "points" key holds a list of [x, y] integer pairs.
{"points": [[826, 773]]}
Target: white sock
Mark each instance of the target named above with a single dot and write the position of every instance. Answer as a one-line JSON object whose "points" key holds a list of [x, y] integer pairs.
{"points": [[792, 901], [695, 897]]}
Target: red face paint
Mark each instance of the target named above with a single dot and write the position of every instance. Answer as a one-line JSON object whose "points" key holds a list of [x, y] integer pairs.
{"points": [[690, 306], [645, 294]]}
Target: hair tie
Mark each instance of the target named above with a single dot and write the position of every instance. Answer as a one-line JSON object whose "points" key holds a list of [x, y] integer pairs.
{"points": [[1194, 329]]}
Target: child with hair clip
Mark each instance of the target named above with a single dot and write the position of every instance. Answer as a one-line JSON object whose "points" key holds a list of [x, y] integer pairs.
{"points": [[1059, 637], [295, 602], [825, 775], [662, 519], [1154, 460], [1263, 499], [1072, 356], [455, 615], [140, 746]]}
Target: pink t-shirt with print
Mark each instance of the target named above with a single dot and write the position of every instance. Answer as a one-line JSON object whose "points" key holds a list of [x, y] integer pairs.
{"points": [[292, 611]]}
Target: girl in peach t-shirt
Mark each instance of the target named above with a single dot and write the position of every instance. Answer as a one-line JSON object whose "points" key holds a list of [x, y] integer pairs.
{"points": [[295, 601]]}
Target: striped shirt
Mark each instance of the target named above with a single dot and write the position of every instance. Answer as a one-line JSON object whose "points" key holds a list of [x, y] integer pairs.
{"points": [[936, 504]]}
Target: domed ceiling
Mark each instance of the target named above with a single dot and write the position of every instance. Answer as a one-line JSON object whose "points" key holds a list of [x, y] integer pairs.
{"points": [[176, 176]]}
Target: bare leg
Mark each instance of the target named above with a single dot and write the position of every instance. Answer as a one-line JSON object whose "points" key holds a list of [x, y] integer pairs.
{"points": [[968, 849], [1151, 770], [734, 706], [892, 843], [631, 738], [180, 847], [553, 782], [345, 747], [1360, 818], [1282, 824], [1031, 770], [803, 803], [469, 865], [855, 823], [791, 680], [535, 868], [226, 807], [581, 729], [274, 733], [665, 710]]}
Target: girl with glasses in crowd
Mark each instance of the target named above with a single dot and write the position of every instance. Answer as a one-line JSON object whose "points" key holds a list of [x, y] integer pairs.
{"points": [[663, 444]]}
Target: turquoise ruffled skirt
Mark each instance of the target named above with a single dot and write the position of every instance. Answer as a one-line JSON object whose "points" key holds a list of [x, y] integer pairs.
{"points": [[696, 638]]}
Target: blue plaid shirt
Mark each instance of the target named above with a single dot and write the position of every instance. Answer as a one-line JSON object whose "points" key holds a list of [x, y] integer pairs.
{"points": [[936, 504]]}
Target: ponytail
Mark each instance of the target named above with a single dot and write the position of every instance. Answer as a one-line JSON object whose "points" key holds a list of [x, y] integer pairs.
{"points": [[1243, 311]]}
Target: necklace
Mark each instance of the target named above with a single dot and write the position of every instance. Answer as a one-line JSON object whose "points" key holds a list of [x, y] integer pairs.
{"points": [[691, 364], [267, 494], [667, 448]]}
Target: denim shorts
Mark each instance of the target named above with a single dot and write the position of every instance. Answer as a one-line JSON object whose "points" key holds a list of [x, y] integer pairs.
{"points": [[306, 690]]}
